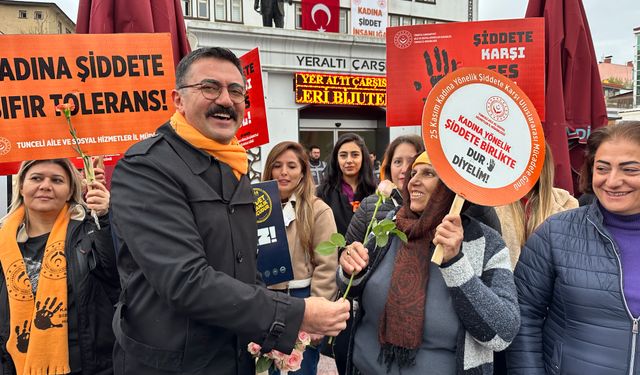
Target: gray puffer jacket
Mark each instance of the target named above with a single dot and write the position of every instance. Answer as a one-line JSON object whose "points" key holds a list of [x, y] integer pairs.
{"points": [[575, 318]]}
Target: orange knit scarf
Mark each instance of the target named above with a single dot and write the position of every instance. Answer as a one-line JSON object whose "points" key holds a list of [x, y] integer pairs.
{"points": [[234, 155], [38, 340]]}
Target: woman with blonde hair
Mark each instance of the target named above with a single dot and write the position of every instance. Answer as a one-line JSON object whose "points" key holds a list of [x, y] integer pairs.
{"points": [[309, 221], [521, 218], [59, 278]]}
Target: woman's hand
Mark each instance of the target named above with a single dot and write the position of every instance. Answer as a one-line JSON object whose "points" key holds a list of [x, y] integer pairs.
{"points": [[100, 176], [98, 198], [354, 258], [449, 234]]}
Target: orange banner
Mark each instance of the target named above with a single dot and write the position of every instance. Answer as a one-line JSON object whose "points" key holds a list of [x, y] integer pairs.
{"points": [[120, 85]]}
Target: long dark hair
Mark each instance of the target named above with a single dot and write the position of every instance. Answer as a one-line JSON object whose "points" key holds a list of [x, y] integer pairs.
{"points": [[366, 185]]}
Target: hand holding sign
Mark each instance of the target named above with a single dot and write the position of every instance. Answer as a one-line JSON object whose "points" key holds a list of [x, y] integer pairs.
{"points": [[484, 138]]}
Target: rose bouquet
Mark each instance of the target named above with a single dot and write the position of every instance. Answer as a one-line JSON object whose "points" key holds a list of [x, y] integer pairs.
{"points": [[276, 360]]}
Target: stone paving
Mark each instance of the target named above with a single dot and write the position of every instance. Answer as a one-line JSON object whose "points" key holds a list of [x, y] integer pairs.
{"points": [[327, 366]]}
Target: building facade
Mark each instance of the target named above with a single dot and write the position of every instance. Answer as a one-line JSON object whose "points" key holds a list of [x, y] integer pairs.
{"points": [[636, 71], [30, 17], [289, 50]]}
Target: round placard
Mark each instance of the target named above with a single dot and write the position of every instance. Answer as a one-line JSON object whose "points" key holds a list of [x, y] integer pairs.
{"points": [[483, 136]]}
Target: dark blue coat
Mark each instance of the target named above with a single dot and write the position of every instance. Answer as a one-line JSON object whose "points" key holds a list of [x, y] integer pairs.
{"points": [[575, 319]]}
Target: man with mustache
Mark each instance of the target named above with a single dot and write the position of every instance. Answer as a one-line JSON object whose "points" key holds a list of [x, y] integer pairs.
{"points": [[185, 222]]}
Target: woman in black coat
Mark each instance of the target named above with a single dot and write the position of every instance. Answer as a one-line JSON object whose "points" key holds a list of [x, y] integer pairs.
{"points": [[58, 276], [349, 179]]}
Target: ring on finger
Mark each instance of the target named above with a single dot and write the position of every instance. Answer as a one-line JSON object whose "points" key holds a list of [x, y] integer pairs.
{"points": [[348, 252]]}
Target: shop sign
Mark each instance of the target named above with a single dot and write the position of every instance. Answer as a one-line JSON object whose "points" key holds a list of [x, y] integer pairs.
{"points": [[340, 89], [340, 63]]}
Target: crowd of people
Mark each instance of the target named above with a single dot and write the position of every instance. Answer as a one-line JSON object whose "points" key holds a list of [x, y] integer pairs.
{"points": [[158, 275]]}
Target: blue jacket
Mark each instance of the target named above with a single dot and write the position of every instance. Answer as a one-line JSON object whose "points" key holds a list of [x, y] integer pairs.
{"points": [[575, 319]]}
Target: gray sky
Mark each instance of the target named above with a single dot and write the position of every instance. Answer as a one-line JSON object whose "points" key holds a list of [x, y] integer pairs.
{"points": [[611, 23], [611, 29]]}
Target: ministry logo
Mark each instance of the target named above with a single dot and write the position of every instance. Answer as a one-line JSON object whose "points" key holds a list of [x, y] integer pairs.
{"points": [[403, 39], [497, 108]]}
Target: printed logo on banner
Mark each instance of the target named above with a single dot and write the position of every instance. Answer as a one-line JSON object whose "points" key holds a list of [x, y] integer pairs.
{"points": [[5, 146], [274, 260], [497, 108], [403, 39], [262, 201]]}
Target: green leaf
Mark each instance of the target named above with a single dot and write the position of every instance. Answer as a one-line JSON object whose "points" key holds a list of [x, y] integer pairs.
{"points": [[387, 225], [400, 234], [338, 240], [326, 248], [381, 240], [263, 364]]}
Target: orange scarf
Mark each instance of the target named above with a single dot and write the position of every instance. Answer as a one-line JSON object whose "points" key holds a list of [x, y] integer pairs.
{"points": [[234, 155], [38, 340]]}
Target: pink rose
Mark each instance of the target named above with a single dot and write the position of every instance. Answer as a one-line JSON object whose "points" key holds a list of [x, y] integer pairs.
{"points": [[276, 355], [294, 361], [304, 338], [254, 349]]}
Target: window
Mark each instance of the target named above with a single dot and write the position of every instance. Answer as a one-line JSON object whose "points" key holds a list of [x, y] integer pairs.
{"points": [[67, 31], [397, 20], [426, 1], [203, 8], [228, 10], [37, 15], [59, 27], [22, 13], [344, 21], [187, 8], [236, 11], [220, 9], [394, 20]]}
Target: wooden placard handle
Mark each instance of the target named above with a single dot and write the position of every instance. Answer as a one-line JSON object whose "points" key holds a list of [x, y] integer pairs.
{"points": [[456, 207]]}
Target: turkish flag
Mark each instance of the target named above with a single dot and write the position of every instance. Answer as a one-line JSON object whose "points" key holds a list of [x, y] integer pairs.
{"points": [[321, 15], [574, 103]]}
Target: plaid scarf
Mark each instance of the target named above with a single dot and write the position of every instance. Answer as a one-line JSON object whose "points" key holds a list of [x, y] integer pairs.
{"points": [[45, 348]]}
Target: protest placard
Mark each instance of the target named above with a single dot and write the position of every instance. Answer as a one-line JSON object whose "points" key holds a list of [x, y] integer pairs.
{"points": [[119, 85], [369, 18], [483, 136], [254, 131], [419, 56], [274, 260]]}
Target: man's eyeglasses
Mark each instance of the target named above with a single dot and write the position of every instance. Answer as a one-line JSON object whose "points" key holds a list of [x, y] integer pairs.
{"points": [[212, 89]]}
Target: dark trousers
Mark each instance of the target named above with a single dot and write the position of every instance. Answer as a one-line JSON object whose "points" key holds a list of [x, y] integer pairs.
{"points": [[271, 14]]}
